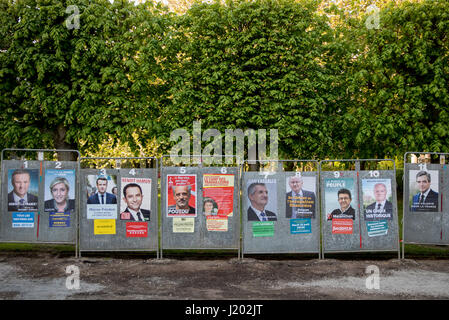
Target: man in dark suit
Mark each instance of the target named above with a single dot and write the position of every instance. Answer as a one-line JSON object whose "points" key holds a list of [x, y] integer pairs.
{"points": [[132, 195], [299, 202], [426, 199], [19, 199], [345, 211], [102, 197], [258, 196], [381, 208]]}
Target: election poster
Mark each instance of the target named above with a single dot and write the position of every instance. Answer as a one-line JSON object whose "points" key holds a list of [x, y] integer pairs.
{"points": [[136, 229], [218, 194], [183, 225], [263, 229], [342, 226], [181, 195], [261, 200], [377, 228], [340, 201], [23, 219], [23, 189], [300, 197], [135, 204], [104, 226], [300, 226], [101, 201], [377, 199], [217, 223], [424, 190]]}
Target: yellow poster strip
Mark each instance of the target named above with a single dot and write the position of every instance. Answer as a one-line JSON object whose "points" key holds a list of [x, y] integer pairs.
{"points": [[104, 226]]}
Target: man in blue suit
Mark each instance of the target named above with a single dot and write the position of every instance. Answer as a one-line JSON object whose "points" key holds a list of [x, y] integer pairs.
{"points": [[426, 199], [102, 197]]}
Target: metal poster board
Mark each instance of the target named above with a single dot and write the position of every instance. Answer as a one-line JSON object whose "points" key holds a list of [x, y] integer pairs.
{"points": [[426, 217], [199, 205], [359, 206], [119, 204], [280, 211], [39, 196]]}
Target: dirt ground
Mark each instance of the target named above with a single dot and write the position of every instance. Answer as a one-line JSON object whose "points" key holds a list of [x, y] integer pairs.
{"points": [[44, 276]]}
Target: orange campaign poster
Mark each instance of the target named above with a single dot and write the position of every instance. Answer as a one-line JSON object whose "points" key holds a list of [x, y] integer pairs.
{"points": [[181, 195], [218, 194], [342, 226], [217, 223]]}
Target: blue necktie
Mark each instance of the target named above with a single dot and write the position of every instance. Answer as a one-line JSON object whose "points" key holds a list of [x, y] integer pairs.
{"points": [[102, 199], [264, 216]]}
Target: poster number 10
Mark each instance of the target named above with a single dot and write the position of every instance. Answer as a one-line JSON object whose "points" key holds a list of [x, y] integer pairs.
{"points": [[374, 174]]}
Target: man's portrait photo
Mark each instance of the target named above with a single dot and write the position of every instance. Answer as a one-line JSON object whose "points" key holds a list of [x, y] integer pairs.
{"points": [[346, 211], [424, 188], [23, 189], [299, 202], [102, 196], [133, 198], [181, 195], [259, 198], [377, 199]]}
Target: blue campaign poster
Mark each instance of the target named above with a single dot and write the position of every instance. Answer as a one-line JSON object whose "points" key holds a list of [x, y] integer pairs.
{"points": [[300, 226]]}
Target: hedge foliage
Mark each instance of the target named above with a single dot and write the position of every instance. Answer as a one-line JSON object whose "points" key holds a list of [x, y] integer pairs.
{"points": [[332, 90]]}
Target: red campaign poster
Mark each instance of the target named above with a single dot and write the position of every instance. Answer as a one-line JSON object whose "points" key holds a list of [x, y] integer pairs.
{"points": [[342, 226], [218, 194], [181, 195], [137, 229]]}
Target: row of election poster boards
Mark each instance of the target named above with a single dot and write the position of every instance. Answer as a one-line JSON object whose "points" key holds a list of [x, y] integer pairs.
{"points": [[281, 211], [426, 217], [39, 200]]}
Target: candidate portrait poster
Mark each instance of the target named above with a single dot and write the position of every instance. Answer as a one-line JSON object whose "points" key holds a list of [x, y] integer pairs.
{"points": [[261, 197], [101, 200], [23, 189], [300, 199], [135, 196], [424, 190], [340, 203], [181, 199], [218, 194], [377, 199], [59, 196], [333, 206]]}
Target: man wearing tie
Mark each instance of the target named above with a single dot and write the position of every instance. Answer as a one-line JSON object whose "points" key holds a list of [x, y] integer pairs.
{"points": [[102, 197], [382, 208], [426, 199], [132, 195], [19, 199], [258, 196], [299, 202]]}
